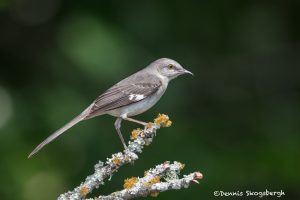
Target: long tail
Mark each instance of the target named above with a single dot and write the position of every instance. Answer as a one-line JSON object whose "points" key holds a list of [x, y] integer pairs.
{"points": [[58, 132]]}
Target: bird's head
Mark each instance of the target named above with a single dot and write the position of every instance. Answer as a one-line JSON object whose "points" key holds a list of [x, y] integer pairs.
{"points": [[169, 68]]}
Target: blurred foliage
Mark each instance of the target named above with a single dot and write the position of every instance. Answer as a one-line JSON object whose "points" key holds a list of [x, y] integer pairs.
{"points": [[236, 120]]}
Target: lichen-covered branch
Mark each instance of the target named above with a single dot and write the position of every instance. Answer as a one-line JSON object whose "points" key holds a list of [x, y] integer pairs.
{"points": [[152, 183], [139, 138]]}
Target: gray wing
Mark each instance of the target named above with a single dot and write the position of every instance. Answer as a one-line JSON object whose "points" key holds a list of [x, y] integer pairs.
{"points": [[126, 92]]}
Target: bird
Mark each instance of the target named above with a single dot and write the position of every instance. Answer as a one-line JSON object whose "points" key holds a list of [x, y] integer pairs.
{"points": [[129, 97]]}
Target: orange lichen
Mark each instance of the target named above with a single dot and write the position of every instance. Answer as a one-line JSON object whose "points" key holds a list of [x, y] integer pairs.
{"points": [[146, 172], [149, 125], [84, 191], [135, 133], [154, 194], [130, 182], [163, 120], [127, 158], [182, 166], [155, 179], [116, 161]]}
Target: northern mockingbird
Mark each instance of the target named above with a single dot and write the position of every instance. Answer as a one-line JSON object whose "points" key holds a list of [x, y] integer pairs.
{"points": [[131, 96]]}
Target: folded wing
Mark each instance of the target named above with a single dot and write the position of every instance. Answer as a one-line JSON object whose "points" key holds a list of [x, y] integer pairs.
{"points": [[126, 93]]}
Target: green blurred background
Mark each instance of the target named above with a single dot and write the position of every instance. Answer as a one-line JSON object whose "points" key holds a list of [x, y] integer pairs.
{"points": [[236, 120]]}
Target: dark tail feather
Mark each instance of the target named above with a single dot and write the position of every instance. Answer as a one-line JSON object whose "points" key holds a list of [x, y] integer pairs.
{"points": [[58, 133]]}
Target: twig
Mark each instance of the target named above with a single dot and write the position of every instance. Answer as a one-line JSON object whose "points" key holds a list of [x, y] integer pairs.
{"points": [[140, 138], [151, 183]]}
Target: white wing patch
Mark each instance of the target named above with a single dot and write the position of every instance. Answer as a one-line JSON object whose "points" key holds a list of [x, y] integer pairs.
{"points": [[136, 97]]}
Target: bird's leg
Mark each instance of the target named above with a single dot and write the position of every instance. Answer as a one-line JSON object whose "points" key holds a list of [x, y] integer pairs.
{"points": [[134, 120], [118, 126]]}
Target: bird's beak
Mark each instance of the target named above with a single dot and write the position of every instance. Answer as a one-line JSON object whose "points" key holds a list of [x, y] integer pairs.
{"points": [[187, 72]]}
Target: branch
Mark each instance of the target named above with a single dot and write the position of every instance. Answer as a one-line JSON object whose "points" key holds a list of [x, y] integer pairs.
{"points": [[151, 183], [139, 138]]}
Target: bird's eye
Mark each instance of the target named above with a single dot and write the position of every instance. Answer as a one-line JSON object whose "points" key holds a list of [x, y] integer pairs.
{"points": [[170, 66]]}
